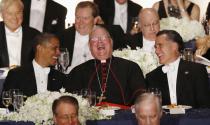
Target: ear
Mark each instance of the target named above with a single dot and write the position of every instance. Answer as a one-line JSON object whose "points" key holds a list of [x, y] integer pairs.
{"points": [[98, 20]]}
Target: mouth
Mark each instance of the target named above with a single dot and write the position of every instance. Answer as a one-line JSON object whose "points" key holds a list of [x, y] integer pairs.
{"points": [[101, 48], [55, 57]]}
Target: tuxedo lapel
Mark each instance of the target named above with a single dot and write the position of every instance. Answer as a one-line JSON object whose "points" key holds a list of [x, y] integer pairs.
{"points": [[164, 86], [112, 12], [27, 11], [47, 17], [129, 17], [31, 85], [54, 83], [181, 78], [4, 59]]}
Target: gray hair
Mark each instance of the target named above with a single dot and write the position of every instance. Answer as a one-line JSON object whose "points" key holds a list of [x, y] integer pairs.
{"points": [[6, 3], [150, 98]]}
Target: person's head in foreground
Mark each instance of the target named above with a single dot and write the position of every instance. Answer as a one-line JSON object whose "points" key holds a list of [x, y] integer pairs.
{"points": [[47, 49], [65, 111], [148, 109], [100, 43], [168, 45]]}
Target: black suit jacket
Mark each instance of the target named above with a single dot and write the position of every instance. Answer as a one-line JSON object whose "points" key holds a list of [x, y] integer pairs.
{"points": [[135, 40], [23, 78], [192, 84], [67, 38], [27, 44], [107, 11], [54, 13]]}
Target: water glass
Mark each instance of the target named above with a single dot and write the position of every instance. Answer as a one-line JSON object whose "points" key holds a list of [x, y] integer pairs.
{"points": [[188, 54], [18, 100], [63, 60], [155, 91], [6, 99]]}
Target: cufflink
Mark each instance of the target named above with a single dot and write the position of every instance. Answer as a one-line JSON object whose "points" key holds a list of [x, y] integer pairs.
{"points": [[54, 22], [186, 72]]}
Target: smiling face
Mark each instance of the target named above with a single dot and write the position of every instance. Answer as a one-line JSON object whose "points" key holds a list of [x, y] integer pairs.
{"points": [[149, 23], [100, 44], [48, 53], [66, 114], [166, 50], [84, 20], [13, 15]]}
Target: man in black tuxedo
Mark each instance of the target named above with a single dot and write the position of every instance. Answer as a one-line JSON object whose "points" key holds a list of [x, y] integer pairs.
{"points": [[181, 82], [110, 14], [76, 38], [44, 15], [15, 40], [38, 77], [149, 26]]}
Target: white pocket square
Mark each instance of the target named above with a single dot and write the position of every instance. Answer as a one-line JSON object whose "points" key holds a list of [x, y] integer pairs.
{"points": [[54, 22]]}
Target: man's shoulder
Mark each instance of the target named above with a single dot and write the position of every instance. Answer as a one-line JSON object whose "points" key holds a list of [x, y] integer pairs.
{"points": [[155, 72], [134, 5], [58, 6], [30, 30]]}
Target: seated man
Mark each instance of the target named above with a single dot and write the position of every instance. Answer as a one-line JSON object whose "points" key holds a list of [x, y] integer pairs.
{"points": [[181, 82], [38, 77], [149, 25], [75, 38], [114, 79], [65, 111], [16, 42], [148, 109]]}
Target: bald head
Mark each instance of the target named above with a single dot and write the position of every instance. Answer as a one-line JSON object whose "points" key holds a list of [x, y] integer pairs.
{"points": [[149, 23]]}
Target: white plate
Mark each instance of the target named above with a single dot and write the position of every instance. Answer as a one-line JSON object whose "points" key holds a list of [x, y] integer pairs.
{"points": [[108, 111], [177, 106]]}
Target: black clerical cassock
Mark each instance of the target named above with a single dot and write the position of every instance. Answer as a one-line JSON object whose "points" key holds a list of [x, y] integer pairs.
{"points": [[119, 82]]}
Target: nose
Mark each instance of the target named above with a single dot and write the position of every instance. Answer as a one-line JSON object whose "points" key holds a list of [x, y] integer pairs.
{"points": [[152, 27], [148, 122]]}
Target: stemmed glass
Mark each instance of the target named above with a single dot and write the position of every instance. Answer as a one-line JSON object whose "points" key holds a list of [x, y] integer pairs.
{"points": [[7, 99], [18, 99], [63, 60]]}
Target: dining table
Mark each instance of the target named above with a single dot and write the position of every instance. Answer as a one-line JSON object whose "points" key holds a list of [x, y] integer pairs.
{"points": [[191, 117]]}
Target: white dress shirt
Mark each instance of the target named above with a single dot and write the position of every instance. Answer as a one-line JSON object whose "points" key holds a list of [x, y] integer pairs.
{"points": [[37, 14], [41, 75], [121, 14], [148, 45], [14, 45], [81, 51], [172, 72]]}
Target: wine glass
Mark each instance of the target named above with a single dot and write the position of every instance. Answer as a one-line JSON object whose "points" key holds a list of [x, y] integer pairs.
{"points": [[63, 59], [18, 99], [7, 99], [13, 92]]}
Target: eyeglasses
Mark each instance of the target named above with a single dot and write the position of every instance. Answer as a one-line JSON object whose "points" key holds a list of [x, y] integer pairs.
{"points": [[99, 38], [151, 24]]}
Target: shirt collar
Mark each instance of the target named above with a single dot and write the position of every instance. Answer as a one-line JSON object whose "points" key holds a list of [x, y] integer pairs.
{"points": [[40, 68], [16, 33]]}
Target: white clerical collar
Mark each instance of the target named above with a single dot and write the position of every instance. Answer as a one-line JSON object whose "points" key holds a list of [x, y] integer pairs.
{"points": [[17, 32], [39, 67], [121, 6]]}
